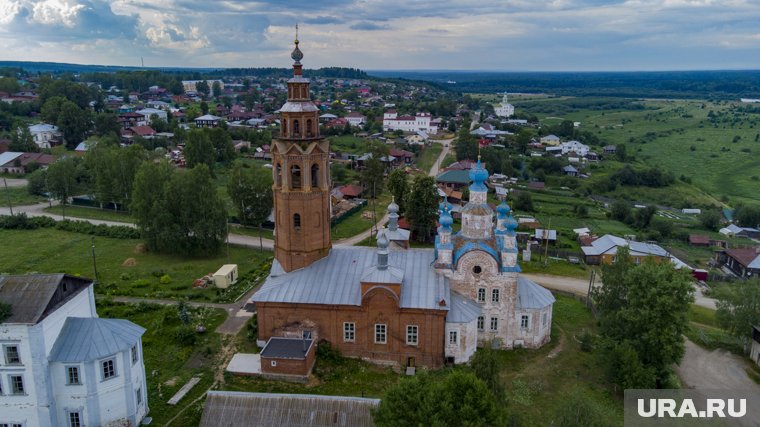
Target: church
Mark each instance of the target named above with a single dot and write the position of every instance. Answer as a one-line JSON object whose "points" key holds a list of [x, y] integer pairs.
{"points": [[389, 305]]}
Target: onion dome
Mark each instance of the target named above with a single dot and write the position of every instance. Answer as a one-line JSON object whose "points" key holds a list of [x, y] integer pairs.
{"points": [[393, 207], [510, 223], [478, 175], [297, 55], [445, 219], [503, 209]]}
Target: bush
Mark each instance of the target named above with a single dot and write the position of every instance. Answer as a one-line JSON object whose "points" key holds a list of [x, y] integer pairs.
{"points": [[157, 273], [125, 276], [165, 279], [140, 283], [184, 335]]}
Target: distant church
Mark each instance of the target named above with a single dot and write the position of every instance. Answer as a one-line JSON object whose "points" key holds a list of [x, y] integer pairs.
{"points": [[404, 307], [505, 109]]}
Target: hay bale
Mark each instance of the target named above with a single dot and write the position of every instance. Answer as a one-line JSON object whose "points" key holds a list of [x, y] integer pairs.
{"points": [[140, 249], [129, 262]]}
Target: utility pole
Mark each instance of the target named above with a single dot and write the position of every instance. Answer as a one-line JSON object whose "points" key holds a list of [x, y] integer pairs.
{"points": [[7, 193], [94, 263]]}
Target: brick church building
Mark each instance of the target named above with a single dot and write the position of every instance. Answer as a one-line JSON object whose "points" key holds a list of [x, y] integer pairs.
{"points": [[403, 307]]}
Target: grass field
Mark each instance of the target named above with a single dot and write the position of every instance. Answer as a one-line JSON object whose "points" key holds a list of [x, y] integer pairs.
{"points": [[705, 331], [428, 156], [18, 196], [715, 144], [357, 222], [170, 361], [55, 251]]}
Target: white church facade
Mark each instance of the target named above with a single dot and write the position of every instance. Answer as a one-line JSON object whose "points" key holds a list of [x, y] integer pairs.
{"points": [[421, 122], [505, 109]]}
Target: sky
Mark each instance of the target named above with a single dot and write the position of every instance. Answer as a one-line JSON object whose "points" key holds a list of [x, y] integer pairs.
{"points": [[506, 35]]}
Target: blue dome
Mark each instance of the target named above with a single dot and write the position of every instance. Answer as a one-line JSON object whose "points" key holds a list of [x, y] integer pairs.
{"points": [[478, 175], [510, 223], [503, 208], [446, 220]]}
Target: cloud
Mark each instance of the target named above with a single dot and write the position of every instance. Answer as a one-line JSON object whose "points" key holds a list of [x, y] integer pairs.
{"points": [[369, 26]]}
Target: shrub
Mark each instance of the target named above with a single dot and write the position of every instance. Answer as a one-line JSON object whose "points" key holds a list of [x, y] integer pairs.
{"points": [[125, 276], [184, 335], [140, 283], [165, 279], [157, 273]]}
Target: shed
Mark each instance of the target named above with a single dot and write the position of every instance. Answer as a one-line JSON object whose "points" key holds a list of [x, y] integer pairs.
{"points": [[285, 357], [227, 275], [238, 409], [699, 240]]}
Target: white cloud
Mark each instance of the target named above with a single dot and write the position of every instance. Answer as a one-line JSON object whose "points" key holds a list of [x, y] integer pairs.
{"points": [[56, 12]]}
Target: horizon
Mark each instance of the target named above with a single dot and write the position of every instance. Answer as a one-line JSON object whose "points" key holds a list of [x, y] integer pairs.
{"points": [[513, 35]]}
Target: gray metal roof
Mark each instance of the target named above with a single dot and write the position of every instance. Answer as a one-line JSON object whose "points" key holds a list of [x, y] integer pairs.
{"points": [[531, 296], [9, 156], [84, 339], [33, 296], [609, 244], [286, 348], [463, 310], [336, 278], [238, 409], [298, 107]]}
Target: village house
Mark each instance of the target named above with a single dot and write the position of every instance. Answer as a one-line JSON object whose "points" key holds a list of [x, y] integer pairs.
{"points": [[418, 122], [62, 365], [744, 262], [148, 113], [207, 121], [355, 118], [550, 140], [45, 135], [604, 250]]}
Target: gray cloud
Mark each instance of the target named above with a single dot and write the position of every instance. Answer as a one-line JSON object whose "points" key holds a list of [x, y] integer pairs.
{"points": [[369, 26]]}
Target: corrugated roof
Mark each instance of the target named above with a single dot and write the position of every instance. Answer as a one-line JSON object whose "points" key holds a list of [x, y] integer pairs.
{"points": [[336, 278], [531, 296], [238, 409], [463, 310], [84, 339], [9, 156], [454, 175], [286, 348], [32, 296], [609, 244]]}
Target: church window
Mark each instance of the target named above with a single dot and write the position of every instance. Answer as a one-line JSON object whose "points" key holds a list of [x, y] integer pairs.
{"points": [[453, 338], [495, 295], [411, 334], [349, 331], [295, 176], [481, 323], [524, 322], [494, 323], [482, 295], [544, 319], [284, 127], [296, 128], [309, 130], [381, 336], [297, 221], [315, 175], [477, 269], [278, 175]]}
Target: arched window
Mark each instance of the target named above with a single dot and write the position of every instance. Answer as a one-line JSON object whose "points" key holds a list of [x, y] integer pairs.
{"points": [[284, 130], [495, 295], [315, 175], [278, 175], [309, 131], [296, 129], [297, 221], [295, 176]]}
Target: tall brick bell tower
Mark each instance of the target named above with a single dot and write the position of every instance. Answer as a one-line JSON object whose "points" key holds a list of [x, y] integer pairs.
{"points": [[300, 159]]}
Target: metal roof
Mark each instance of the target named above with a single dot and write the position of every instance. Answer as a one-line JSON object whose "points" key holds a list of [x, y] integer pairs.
{"points": [[532, 296], [463, 310], [609, 244], [9, 156], [298, 107], [33, 296], [455, 176], [286, 348], [335, 279], [84, 339], [239, 409]]}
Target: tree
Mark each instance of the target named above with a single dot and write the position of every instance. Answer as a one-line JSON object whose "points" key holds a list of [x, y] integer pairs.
{"points": [[74, 123], [22, 141], [710, 219], [524, 202], [422, 206], [523, 139], [199, 149], [37, 182], [106, 124], [398, 185], [748, 215], [620, 211], [222, 142], [113, 171], [739, 308], [646, 306], [178, 212], [466, 145], [204, 107], [216, 88], [374, 169], [485, 365], [620, 152], [251, 192], [461, 399], [202, 87], [66, 177], [51, 109]]}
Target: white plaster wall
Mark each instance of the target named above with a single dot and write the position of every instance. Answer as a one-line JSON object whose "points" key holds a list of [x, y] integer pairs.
{"points": [[466, 344]]}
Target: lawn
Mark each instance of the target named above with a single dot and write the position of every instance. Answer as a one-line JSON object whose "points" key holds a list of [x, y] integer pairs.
{"points": [[705, 331], [357, 222], [348, 144], [124, 268], [251, 231], [172, 352], [91, 213], [18, 196], [428, 156]]}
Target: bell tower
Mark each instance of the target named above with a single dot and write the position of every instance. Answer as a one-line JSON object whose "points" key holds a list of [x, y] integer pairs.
{"points": [[300, 166]]}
